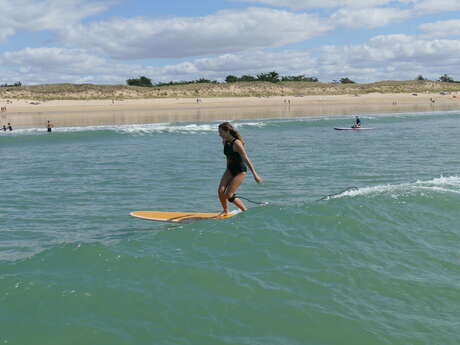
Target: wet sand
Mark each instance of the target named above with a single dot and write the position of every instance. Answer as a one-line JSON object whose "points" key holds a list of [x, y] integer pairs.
{"points": [[67, 113]]}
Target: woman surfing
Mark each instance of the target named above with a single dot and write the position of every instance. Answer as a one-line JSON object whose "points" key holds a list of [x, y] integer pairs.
{"points": [[236, 171]]}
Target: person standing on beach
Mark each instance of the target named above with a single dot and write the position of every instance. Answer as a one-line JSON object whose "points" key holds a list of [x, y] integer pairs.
{"points": [[236, 171], [50, 125]]}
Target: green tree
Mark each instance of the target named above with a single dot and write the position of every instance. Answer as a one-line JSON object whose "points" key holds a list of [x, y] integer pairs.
{"points": [[271, 77], [203, 80], [346, 80], [420, 77], [446, 79], [231, 79], [141, 81], [247, 78]]}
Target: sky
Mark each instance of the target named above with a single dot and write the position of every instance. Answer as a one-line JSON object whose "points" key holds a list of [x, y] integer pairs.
{"points": [[110, 41]]}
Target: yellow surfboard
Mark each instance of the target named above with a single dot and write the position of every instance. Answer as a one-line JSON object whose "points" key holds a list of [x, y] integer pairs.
{"points": [[179, 217]]}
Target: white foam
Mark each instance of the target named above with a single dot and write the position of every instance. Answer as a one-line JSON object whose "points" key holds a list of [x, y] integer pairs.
{"points": [[442, 181], [165, 128], [440, 189], [450, 184], [148, 128], [188, 128]]}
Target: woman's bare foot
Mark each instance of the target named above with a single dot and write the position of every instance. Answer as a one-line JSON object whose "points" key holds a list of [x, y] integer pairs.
{"points": [[222, 214]]}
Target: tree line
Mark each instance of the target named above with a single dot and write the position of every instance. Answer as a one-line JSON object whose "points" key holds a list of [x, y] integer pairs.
{"points": [[147, 82], [445, 78], [272, 77], [10, 85]]}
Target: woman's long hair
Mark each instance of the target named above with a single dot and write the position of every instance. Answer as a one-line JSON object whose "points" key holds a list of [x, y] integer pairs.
{"points": [[227, 127]]}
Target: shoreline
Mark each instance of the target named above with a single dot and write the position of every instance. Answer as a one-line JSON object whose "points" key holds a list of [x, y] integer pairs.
{"points": [[71, 113]]}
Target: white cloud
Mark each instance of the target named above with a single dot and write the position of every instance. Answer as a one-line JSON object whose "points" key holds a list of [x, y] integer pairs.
{"points": [[230, 42], [315, 4], [369, 17], [223, 32], [423, 5], [435, 6], [440, 29], [368, 13], [44, 65], [35, 15], [414, 7], [55, 65], [257, 62], [42, 59], [392, 57], [385, 57]]}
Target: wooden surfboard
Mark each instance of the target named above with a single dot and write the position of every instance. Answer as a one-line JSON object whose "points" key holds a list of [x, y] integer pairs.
{"points": [[179, 217]]}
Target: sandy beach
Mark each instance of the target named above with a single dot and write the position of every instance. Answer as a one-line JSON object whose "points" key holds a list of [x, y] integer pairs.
{"points": [[29, 113]]}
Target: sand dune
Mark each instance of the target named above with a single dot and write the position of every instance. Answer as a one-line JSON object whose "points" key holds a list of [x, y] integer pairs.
{"points": [[129, 108]]}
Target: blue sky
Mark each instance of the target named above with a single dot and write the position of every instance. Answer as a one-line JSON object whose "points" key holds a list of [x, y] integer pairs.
{"points": [[109, 41]]}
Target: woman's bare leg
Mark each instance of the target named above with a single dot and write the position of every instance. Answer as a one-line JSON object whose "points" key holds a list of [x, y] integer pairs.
{"points": [[233, 186], [224, 182]]}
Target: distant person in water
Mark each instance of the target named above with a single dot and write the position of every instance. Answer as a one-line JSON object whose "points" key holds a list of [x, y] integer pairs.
{"points": [[49, 126], [357, 123], [10, 128], [236, 171], [4, 128]]}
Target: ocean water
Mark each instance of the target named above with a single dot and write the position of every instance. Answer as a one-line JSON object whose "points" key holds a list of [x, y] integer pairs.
{"points": [[359, 243]]}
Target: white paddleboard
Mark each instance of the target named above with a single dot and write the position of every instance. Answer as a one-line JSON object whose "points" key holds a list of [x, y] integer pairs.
{"points": [[351, 129]]}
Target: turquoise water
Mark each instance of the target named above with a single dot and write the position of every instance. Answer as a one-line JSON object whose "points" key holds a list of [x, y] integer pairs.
{"points": [[374, 264]]}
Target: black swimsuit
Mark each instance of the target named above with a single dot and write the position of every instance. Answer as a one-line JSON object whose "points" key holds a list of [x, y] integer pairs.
{"points": [[235, 162]]}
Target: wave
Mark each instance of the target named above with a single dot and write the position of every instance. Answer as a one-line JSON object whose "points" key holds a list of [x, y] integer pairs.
{"points": [[140, 129], [450, 184], [421, 196], [205, 127]]}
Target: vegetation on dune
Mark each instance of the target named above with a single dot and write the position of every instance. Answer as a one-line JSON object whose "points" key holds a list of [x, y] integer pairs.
{"points": [[141, 81], [346, 80], [262, 85], [11, 85], [447, 79]]}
